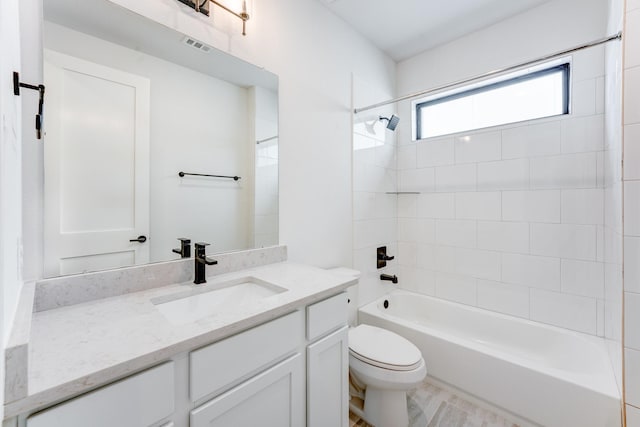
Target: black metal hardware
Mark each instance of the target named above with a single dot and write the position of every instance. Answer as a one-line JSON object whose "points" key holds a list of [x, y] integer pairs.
{"points": [[140, 239], [385, 304], [198, 5], [389, 277], [40, 88], [185, 248], [201, 261], [182, 175], [383, 257]]}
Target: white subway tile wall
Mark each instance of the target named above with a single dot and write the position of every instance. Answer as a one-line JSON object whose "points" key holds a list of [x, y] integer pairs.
{"points": [[631, 51], [633, 416], [632, 373], [631, 320], [531, 271], [441, 152], [531, 206], [504, 298], [632, 88], [632, 152], [577, 206], [632, 264], [517, 212], [532, 140], [380, 218], [570, 311], [631, 187]]}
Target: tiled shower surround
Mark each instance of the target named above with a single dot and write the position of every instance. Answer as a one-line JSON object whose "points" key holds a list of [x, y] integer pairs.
{"points": [[511, 218], [631, 120]]}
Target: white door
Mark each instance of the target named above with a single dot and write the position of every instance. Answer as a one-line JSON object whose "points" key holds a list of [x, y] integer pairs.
{"points": [[327, 381], [96, 160]]}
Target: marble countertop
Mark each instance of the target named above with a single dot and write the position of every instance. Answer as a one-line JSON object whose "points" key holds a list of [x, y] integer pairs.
{"points": [[77, 348]]}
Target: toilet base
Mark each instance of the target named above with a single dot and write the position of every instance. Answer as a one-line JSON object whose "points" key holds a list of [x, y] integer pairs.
{"points": [[386, 408]]}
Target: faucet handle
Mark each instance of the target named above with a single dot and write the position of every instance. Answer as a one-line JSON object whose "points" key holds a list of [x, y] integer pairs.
{"points": [[201, 256], [185, 248], [208, 261]]}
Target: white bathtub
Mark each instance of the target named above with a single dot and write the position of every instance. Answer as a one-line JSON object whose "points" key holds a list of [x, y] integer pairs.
{"points": [[548, 375]]}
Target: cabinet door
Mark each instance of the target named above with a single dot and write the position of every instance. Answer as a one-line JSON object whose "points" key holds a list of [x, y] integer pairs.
{"points": [[274, 398], [138, 401], [328, 381]]}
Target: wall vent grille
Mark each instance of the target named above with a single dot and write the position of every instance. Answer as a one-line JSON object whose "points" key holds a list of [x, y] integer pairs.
{"points": [[196, 44]]}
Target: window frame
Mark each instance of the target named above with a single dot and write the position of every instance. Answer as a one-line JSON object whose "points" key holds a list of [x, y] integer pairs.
{"points": [[565, 68]]}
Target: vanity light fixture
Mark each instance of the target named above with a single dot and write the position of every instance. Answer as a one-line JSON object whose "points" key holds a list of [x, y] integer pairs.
{"points": [[243, 15]]}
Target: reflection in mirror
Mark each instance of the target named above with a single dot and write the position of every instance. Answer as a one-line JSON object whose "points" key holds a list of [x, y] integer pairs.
{"points": [[128, 108]]}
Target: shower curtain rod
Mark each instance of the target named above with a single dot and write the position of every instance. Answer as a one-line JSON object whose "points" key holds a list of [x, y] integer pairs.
{"points": [[491, 73]]}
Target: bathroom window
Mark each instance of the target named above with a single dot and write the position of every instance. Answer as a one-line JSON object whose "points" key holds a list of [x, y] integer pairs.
{"points": [[533, 95]]}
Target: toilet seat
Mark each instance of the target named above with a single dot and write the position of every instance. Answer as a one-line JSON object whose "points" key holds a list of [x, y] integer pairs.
{"points": [[384, 349]]}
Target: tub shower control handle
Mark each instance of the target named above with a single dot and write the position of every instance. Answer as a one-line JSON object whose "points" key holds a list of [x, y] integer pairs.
{"points": [[383, 257]]}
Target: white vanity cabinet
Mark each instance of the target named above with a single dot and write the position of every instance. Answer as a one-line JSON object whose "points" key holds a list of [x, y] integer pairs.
{"points": [[265, 367], [274, 398], [288, 371], [141, 400], [216, 367], [328, 363]]}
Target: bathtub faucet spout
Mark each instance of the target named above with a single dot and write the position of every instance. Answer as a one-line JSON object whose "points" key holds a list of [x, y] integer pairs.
{"points": [[389, 277]]}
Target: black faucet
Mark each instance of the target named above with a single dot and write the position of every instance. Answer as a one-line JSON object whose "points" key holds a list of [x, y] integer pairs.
{"points": [[201, 261], [393, 279], [185, 248]]}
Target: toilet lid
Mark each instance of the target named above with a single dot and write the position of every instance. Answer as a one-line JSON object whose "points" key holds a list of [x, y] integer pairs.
{"points": [[379, 347]]}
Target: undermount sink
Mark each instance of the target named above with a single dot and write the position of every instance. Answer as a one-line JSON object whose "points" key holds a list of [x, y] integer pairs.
{"points": [[189, 306]]}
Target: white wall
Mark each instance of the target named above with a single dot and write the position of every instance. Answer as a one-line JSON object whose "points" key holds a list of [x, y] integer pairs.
{"points": [[199, 124], [32, 148], [631, 174], [10, 173], [551, 27], [511, 218]]}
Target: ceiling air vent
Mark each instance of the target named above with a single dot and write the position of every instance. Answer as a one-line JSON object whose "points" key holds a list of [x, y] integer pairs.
{"points": [[196, 44]]}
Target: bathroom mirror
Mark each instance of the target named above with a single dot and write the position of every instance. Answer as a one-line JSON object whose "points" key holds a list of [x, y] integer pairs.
{"points": [[128, 108]]}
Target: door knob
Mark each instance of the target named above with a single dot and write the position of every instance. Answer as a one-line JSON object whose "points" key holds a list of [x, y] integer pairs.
{"points": [[140, 239]]}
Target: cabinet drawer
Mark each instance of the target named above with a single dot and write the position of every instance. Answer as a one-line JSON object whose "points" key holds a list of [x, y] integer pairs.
{"points": [[274, 398], [140, 400], [234, 359], [326, 316]]}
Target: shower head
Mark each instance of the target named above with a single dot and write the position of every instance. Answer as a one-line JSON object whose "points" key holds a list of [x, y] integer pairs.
{"points": [[392, 121]]}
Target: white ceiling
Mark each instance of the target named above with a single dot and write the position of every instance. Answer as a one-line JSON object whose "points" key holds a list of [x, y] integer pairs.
{"points": [[403, 28]]}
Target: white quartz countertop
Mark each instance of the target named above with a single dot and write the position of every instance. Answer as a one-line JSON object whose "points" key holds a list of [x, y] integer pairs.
{"points": [[76, 348]]}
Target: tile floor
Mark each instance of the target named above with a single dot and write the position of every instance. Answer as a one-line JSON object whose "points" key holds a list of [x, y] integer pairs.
{"points": [[432, 406]]}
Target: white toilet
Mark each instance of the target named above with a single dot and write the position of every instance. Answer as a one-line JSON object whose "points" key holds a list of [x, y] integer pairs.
{"points": [[387, 365]]}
